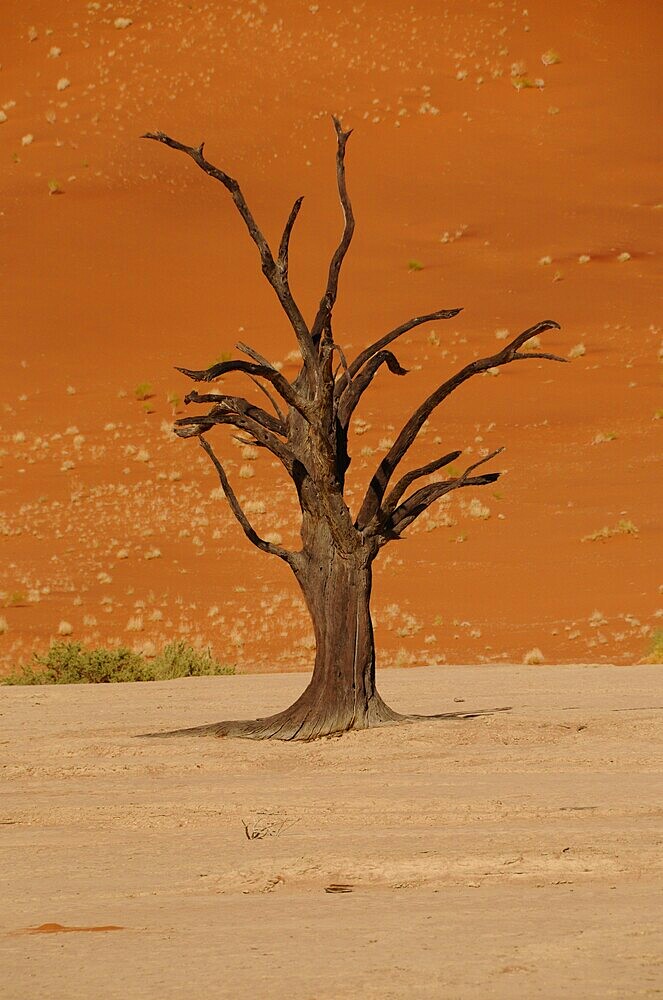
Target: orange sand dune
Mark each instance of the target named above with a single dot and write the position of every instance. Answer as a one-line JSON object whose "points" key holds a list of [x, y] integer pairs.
{"points": [[140, 263]]}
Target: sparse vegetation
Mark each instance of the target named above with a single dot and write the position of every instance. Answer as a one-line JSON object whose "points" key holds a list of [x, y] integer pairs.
{"points": [[16, 599], [72, 663], [621, 528], [414, 265], [143, 391], [526, 83], [655, 654], [604, 436]]}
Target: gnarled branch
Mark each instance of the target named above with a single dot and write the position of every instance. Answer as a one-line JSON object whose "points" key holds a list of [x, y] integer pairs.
{"points": [[284, 246], [329, 298], [388, 338], [231, 414], [262, 360], [357, 387], [249, 530], [422, 498], [240, 405], [285, 390], [401, 446], [391, 502], [340, 384], [267, 393], [276, 276]]}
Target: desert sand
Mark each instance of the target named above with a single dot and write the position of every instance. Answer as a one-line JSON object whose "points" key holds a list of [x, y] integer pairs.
{"points": [[511, 150], [512, 851]]}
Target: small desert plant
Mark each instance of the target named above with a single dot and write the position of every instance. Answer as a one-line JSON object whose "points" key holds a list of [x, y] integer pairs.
{"points": [[655, 654], [525, 83], [16, 599], [72, 663], [143, 391], [622, 528], [414, 265], [178, 659], [604, 436]]}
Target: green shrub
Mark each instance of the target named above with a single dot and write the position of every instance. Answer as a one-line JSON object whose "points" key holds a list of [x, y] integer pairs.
{"points": [[143, 391], [72, 663], [655, 654], [178, 659], [414, 265]]}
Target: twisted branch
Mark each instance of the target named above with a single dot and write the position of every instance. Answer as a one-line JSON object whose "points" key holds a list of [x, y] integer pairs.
{"points": [[388, 338], [266, 392], [391, 502], [285, 390], [249, 530], [403, 443], [329, 298], [275, 274], [284, 246], [422, 498], [238, 413], [357, 387], [239, 405]]}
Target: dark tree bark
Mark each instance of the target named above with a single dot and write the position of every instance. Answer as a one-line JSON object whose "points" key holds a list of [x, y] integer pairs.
{"points": [[308, 434]]}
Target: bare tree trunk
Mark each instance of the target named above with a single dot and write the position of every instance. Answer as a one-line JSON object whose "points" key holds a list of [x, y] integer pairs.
{"points": [[341, 694], [337, 587]]}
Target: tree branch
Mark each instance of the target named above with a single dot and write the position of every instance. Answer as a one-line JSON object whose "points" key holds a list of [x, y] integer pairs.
{"points": [[343, 364], [242, 406], [329, 298], [252, 353], [285, 390], [350, 397], [422, 498], [274, 274], [284, 246], [266, 392], [378, 484], [249, 531], [230, 414], [391, 502], [388, 338]]}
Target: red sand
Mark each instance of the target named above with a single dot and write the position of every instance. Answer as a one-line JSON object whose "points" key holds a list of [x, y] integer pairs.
{"points": [[141, 264]]}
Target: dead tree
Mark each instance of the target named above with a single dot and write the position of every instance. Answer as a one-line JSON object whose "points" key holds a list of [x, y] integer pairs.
{"points": [[307, 432]]}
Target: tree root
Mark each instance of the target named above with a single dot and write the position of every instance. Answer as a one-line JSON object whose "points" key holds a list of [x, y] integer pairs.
{"points": [[299, 723]]}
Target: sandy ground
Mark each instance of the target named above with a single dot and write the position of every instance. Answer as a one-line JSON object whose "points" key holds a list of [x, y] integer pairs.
{"points": [[520, 205], [513, 853]]}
